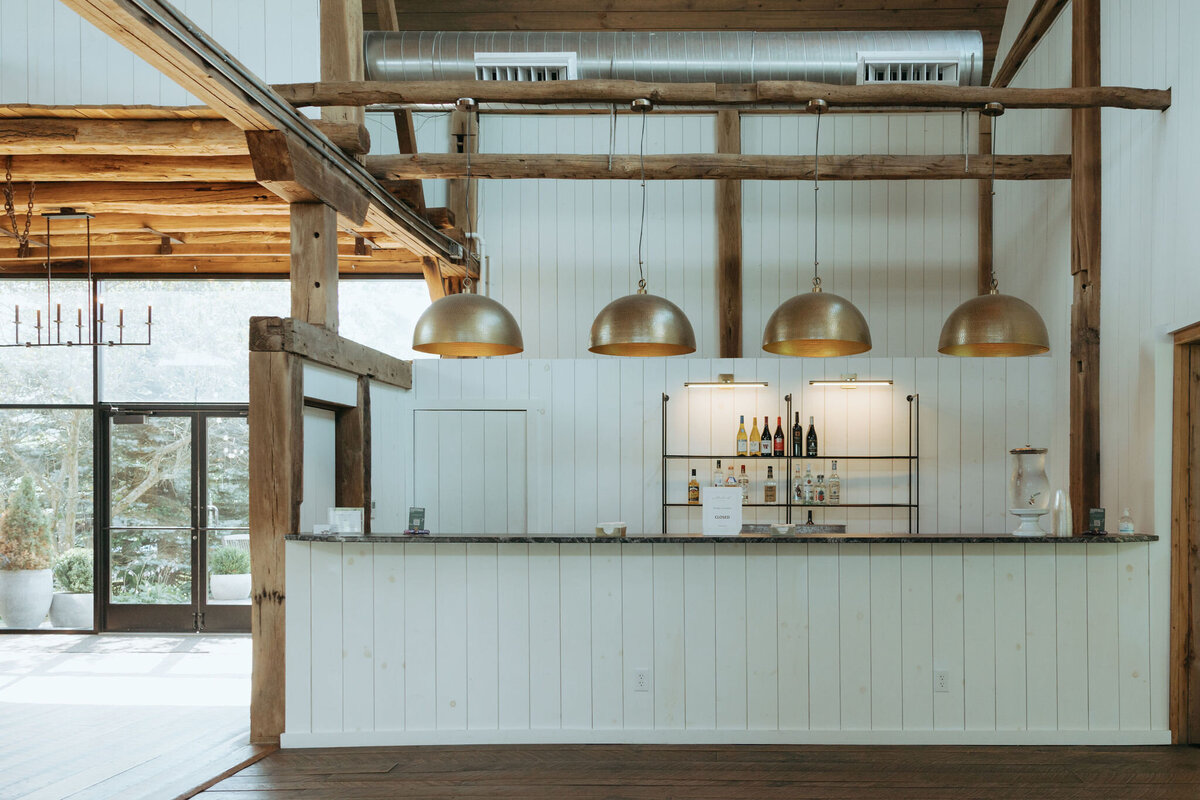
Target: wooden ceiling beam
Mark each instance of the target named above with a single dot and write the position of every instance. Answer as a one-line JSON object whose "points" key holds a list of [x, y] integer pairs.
{"points": [[136, 250], [1037, 24], [211, 265], [125, 168], [156, 31], [718, 166], [364, 93], [167, 199], [283, 164]]}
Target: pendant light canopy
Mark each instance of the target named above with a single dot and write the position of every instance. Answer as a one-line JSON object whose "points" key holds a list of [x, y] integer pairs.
{"points": [[994, 324], [817, 324], [467, 324], [641, 324]]}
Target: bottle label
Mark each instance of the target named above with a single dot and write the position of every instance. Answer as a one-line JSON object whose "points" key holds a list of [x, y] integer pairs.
{"points": [[753, 447], [741, 447]]}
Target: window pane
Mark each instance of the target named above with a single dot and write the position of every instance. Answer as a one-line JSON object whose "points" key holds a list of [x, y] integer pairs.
{"points": [[382, 313], [201, 331], [53, 448], [43, 374]]}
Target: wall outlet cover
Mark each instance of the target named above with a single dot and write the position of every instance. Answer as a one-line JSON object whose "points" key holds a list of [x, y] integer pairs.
{"points": [[641, 679], [941, 681]]}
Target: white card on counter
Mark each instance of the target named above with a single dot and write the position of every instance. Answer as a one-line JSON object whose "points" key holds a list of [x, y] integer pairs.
{"points": [[722, 510]]}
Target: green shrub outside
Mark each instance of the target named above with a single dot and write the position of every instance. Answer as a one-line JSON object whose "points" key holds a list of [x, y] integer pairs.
{"points": [[73, 571], [229, 560], [24, 535]]}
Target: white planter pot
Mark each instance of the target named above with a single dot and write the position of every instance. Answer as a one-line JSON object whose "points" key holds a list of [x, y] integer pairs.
{"points": [[230, 587], [71, 610], [25, 596]]}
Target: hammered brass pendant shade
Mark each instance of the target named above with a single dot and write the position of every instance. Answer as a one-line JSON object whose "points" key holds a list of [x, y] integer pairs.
{"points": [[817, 324], [994, 325], [642, 325], [467, 325]]}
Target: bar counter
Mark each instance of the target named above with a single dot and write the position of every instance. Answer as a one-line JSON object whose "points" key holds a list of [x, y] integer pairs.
{"points": [[743, 538]]}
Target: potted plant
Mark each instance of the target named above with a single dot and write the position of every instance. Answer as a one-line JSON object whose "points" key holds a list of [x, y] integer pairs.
{"points": [[26, 587], [72, 605], [229, 568]]}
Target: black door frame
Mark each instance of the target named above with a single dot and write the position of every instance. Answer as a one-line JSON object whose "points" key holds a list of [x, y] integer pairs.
{"points": [[197, 615]]}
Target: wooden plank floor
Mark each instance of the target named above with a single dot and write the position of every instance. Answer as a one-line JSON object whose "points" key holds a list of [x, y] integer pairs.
{"points": [[91, 717], [721, 772]]}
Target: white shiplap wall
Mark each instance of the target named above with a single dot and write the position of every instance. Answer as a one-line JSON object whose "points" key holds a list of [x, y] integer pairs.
{"points": [[48, 55], [422, 643]]}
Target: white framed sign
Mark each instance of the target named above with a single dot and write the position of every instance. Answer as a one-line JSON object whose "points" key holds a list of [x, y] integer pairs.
{"points": [[722, 510]]}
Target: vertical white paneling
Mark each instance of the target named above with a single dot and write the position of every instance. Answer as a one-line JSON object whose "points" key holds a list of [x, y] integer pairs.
{"points": [[699, 597], [389, 621], [358, 638], [762, 637], [632, 443], [730, 622], [949, 634], [824, 638], [545, 658], [575, 624], [916, 620], [514, 583], [671, 665], [854, 606], [979, 617], [1010, 638], [420, 638], [972, 424], [1041, 638], [326, 635], [638, 640], [887, 674], [1133, 653], [793, 613], [1071, 595], [1104, 684], [298, 630], [607, 671], [482, 635]]}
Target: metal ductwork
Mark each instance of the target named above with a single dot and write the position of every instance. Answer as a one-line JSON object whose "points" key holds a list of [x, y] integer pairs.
{"points": [[946, 57]]}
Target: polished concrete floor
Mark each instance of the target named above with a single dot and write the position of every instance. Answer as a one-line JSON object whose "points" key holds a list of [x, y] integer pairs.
{"points": [[721, 773], [85, 717]]}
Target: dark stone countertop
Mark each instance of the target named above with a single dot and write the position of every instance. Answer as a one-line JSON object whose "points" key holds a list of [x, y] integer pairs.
{"points": [[744, 538]]}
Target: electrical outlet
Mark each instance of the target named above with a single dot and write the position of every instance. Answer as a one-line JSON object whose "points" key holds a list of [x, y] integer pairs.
{"points": [[941, 681], [641, 680]]}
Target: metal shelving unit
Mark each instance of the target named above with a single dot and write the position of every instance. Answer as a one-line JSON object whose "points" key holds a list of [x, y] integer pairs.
{"points": [[911, 460]]}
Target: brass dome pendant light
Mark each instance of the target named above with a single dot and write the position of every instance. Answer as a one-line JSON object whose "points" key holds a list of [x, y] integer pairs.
{"points": [[467, 324], [994, 324], [642, 324], [817, 324]]}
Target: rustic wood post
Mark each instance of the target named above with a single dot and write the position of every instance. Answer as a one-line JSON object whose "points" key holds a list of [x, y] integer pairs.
{"points": [[729, 242]]}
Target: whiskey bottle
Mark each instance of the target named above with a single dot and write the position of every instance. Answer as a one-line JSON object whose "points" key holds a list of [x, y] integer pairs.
{"points": [[833, 486], [693, 490], [741, 437], [811, 439], [770, 489], [797, 438], [778, 449], [764, 445], [744, 482], [810, 519], [820, 489], [754, 442]]}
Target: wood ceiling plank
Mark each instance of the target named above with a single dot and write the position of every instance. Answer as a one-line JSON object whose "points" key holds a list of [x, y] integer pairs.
{"points": [[50, 169], [213, 265], [135, 250], [162, 199]]}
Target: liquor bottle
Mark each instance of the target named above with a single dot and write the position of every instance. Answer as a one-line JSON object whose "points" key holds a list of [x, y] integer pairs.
{"points": [[718, 478], [754, 442], [741, 437], [693, 490], [779, 437], [797, 438], [797, 486], [1125, 523], [770, 488], [810, 519], [820, 489], [833, 486], [811, 439], [730, 478], [809, 485], [764, 445], [744, 482]]}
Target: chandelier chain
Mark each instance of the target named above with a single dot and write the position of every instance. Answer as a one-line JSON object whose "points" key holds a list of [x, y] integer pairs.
{"points": [[11, 211]]}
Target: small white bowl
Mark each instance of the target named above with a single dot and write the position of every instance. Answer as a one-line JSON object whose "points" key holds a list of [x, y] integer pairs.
{"points": [[611, 528]]}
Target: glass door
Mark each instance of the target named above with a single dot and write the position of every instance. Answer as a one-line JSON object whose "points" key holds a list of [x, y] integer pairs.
{"points": [[176, 541]]}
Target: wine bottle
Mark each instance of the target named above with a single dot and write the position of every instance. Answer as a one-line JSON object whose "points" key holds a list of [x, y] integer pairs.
{"points": [[741, 437], [754, 442], [693, 490], [833, 488], [744, 482], [797, 438], [811, 439], [779, 436], [770, 488], [764, 446]]}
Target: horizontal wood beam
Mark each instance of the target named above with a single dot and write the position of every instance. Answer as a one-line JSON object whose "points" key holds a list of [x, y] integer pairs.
{"points": [[364, 93], [282, 334], [178, 138], [184, 198], [124, 168], [1037, 24], [249, 248], [211, 265], [287, 167], [214, 224], [718, 166]]}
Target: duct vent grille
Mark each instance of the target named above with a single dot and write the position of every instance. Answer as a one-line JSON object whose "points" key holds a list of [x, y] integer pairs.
{"points": [[907, 68], [526, 66]]}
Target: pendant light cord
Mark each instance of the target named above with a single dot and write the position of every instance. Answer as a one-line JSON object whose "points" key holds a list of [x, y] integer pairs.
{"points": [[992, 191], [467, 282], [642, 224], [816, 188]]}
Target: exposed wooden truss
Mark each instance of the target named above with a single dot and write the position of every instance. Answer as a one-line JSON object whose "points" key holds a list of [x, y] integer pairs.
{"points": [[718, 166], [704, 95]]}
